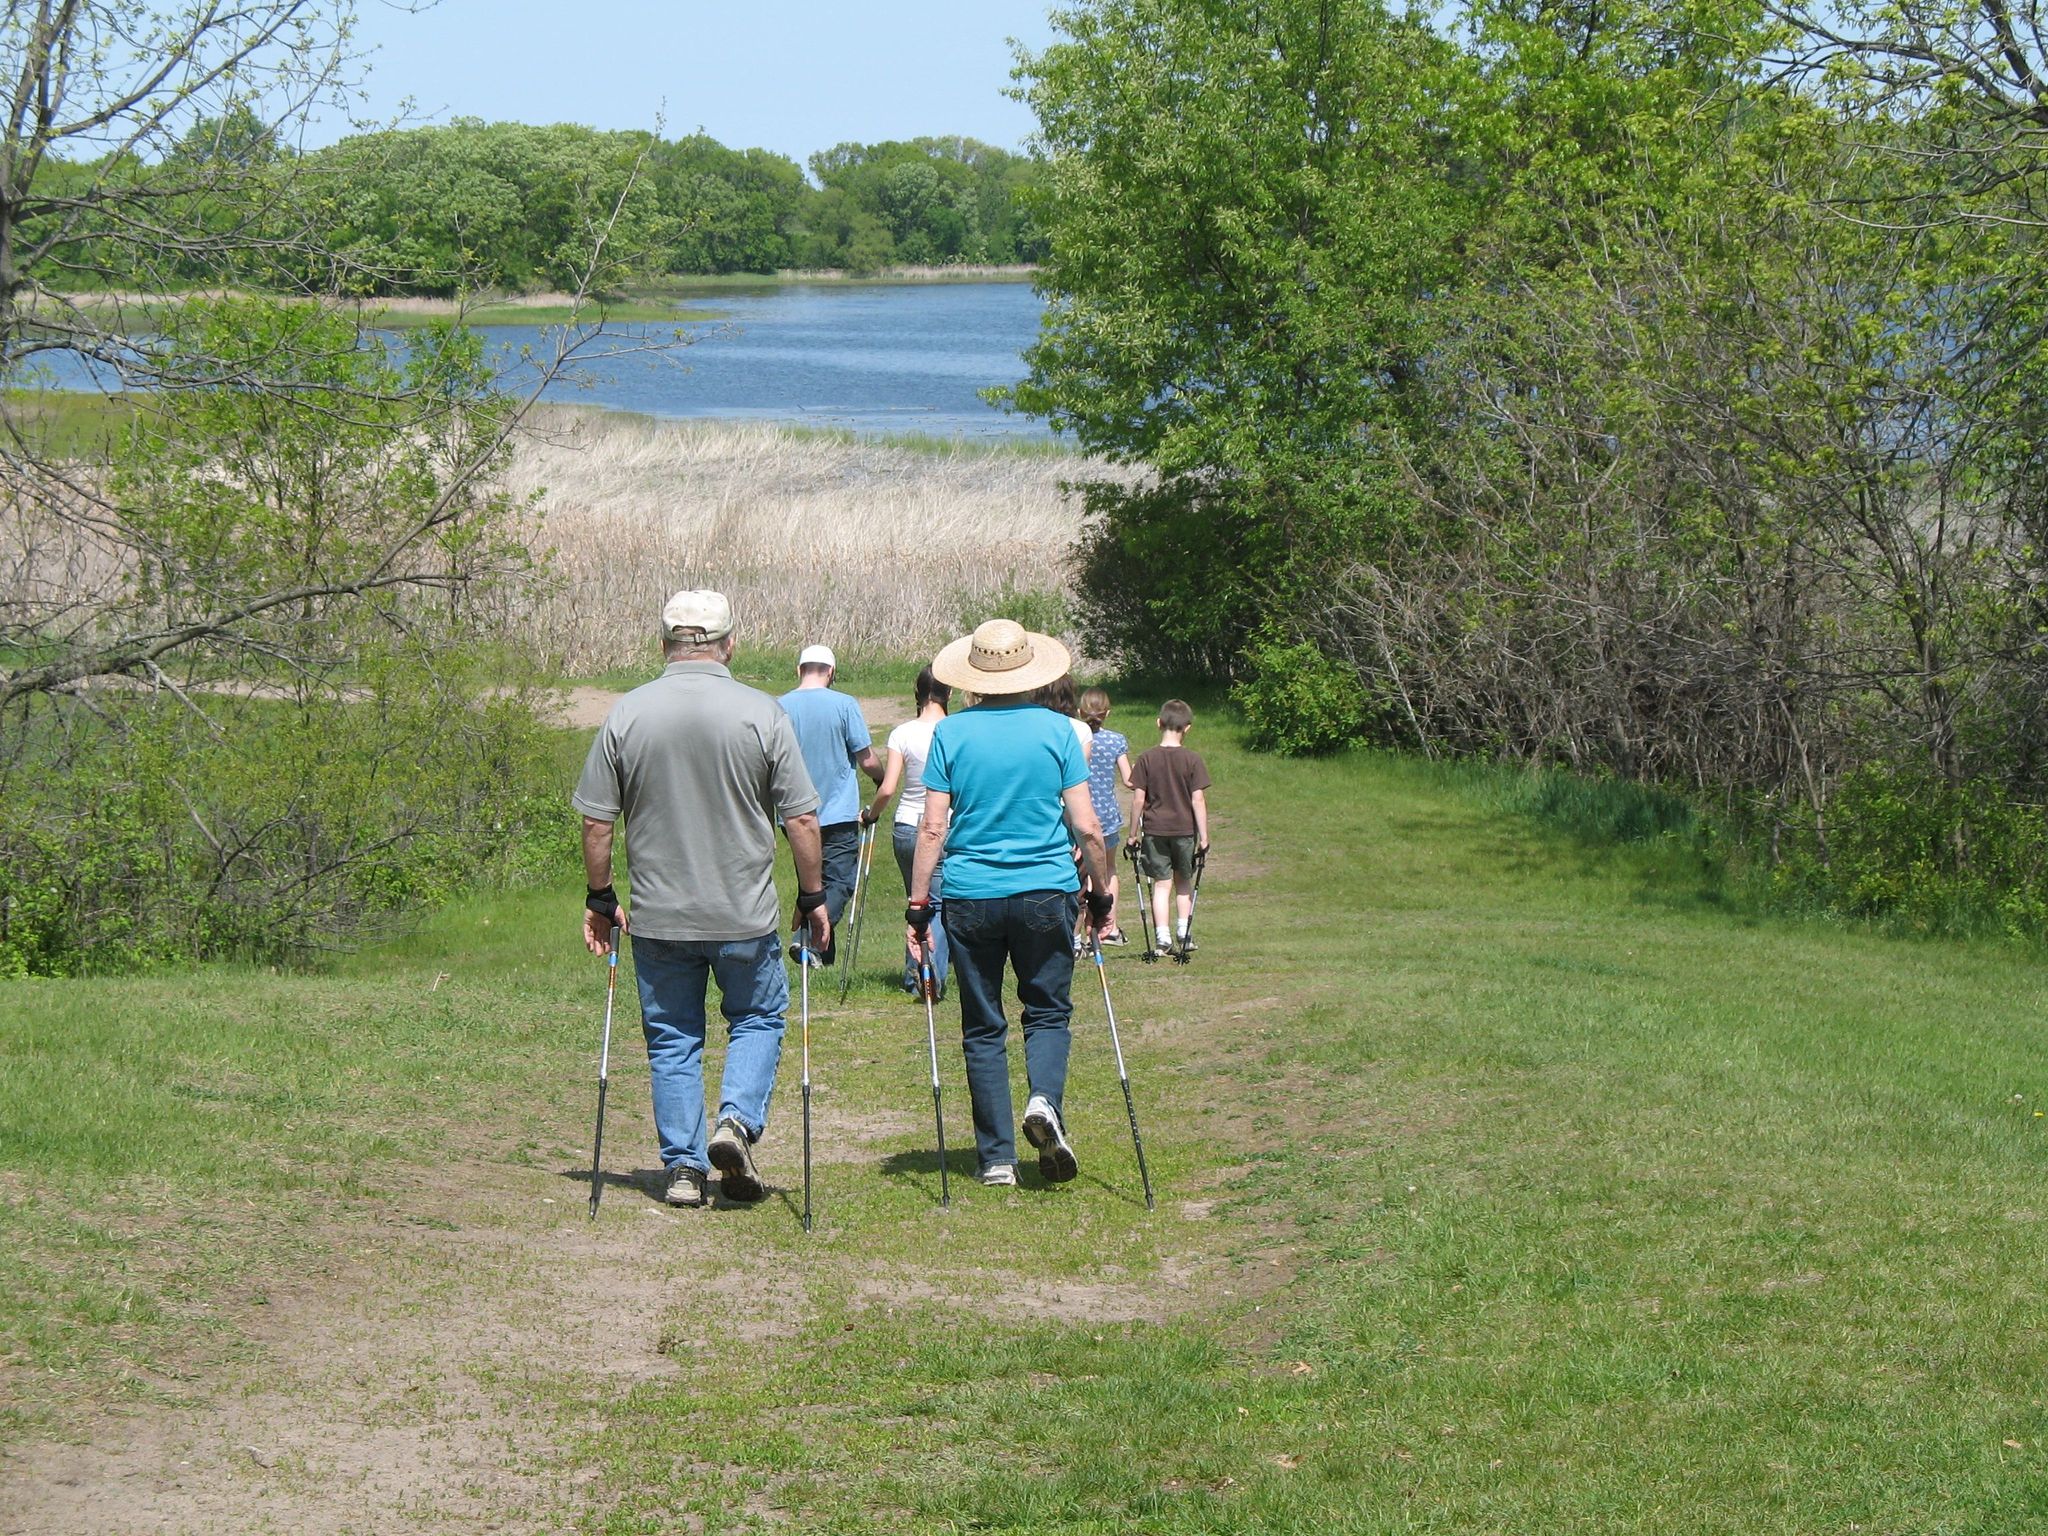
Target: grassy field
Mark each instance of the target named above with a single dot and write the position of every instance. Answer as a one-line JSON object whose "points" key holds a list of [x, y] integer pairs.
{"points": [[1507, 1184], [545, 309], [876, 546], [871, 546], [63, 423], [725, 282], [405, 313]]}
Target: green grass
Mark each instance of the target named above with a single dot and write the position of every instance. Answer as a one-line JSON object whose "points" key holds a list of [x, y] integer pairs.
{"points": [[768, 282], [1509, 1183], [67, 423], [650, 309], [994, 447], [620, 312]]}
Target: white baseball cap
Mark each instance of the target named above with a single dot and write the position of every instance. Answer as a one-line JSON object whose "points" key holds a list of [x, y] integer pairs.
{"points": [[815, 656], [707, 613]]}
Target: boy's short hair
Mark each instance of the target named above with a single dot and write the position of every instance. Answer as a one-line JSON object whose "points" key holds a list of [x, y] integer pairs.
{"points": [[1175, 716], [1094, 706]]}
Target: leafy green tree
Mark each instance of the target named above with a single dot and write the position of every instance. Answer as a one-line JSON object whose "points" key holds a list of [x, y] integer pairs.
{"points": [[1245, 217], [301, 519]]}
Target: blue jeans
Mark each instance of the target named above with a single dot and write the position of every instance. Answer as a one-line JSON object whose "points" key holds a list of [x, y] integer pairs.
{"points": [[842, 868], [903, 839], [1034, 933], [753, 994]]}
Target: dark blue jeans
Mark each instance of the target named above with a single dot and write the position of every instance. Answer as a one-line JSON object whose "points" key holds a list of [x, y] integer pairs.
{"points": [[1033, 933]]}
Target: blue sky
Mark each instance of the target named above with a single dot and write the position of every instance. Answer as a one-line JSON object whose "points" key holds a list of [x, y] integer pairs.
{"points": [[788, 75]]}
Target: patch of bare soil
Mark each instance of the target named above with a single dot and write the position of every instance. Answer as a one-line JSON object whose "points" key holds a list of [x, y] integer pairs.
{"points": [[424, 1376], [1177, 1287], [413, 1384]]}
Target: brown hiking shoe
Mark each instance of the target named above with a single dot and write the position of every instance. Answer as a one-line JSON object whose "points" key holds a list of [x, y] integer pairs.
{"points": [[732, 1154]]}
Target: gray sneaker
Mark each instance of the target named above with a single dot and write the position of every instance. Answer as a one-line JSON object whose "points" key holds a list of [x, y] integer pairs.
{"points": [[1000, 1176], [1043, 1130], [732, 1154], [685, 1185]]}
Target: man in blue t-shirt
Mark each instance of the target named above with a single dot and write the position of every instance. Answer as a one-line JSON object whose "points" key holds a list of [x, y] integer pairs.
{"points": [[835, 742], [1006, 801]]}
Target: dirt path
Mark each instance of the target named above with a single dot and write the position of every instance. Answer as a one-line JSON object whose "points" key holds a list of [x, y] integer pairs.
{"points": [[431, 1359], [467, 1324], [418, 1384]]}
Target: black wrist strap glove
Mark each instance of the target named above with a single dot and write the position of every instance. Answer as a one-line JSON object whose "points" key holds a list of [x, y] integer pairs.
{"points": [[808, 902], [605, 904], [919, 915], [1099, 904]]}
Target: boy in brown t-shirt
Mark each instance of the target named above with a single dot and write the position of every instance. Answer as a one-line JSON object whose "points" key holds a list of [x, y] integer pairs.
{"points": [[1170, 813]]}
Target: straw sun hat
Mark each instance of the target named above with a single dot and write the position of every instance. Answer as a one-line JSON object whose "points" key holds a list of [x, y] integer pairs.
{"points": [[1001, 657]]}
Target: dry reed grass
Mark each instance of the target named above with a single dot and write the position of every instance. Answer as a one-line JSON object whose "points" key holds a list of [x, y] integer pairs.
{"points": [[872, 548]]}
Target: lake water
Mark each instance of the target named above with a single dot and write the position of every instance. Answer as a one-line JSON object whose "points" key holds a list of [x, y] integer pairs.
{"points": [[902, 357]]}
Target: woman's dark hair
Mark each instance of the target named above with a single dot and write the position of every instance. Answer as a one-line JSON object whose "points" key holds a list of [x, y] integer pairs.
{"points": [[931, 691], [1057, 695]]}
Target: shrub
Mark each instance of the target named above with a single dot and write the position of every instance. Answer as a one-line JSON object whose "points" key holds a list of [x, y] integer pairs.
{"points": [[1146, 595], [1911, 851], [1049, 613], [141, 836], [1297, 701]]}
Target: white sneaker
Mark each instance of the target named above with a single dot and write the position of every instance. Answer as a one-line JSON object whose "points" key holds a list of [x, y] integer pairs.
{"points": [[1043, 1130], [1000, 1176]]}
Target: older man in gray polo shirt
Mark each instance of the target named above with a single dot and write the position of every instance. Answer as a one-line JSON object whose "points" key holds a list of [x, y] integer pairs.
{"points": [[702, 768]]}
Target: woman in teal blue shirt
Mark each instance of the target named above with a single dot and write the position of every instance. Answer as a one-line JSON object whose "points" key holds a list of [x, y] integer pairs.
{"points": [[1006, 801]]}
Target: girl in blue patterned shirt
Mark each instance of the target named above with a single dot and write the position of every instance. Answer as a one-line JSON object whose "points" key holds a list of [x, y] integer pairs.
{"points": [[1109, 764]]}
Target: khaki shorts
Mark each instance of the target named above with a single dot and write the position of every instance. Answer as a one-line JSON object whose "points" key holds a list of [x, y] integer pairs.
{"points": [[1166, 857]]}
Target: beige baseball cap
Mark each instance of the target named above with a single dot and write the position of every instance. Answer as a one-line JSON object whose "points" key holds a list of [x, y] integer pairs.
{"points": [[707, 614]]}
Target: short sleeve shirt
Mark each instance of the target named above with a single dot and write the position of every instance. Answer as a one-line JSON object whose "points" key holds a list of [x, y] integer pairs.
{"points": [[913, 738], [1006, 767], [1103, 752], [701, 767], [832, 734], [1169, 776]]}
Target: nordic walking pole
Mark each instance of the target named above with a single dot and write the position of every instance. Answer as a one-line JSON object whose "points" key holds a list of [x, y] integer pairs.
{"points": [[604, 1064], [803, 970], [863, 863], [1141, 893], [929, 986], [1194, 895], [1124, 1077]]}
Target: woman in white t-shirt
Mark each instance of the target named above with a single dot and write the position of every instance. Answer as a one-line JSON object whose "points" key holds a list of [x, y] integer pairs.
{"points": [[909, 744], [1058, 696]]}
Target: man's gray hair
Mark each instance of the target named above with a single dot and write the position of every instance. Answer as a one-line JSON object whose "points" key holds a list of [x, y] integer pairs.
{"points": [[690, 642]]}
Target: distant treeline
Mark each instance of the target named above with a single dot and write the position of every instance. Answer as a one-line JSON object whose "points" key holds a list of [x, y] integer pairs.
{"points": [[514, 206]]}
